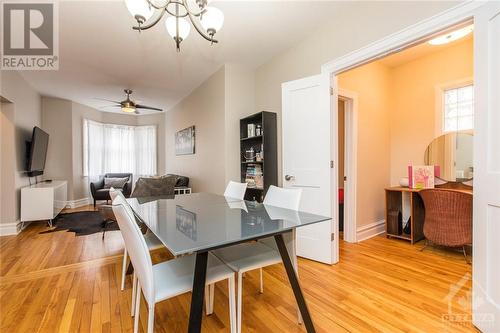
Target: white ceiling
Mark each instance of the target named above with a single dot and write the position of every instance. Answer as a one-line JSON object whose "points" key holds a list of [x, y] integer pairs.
{"points": [[100, 54]]}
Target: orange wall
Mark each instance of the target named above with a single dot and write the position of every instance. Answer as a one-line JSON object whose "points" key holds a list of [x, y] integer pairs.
{"points": [[413, 102], [396, 118], [372, 84]]}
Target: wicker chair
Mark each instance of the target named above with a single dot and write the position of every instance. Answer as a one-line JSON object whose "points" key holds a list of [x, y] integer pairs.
{"points": [[448, 217]]}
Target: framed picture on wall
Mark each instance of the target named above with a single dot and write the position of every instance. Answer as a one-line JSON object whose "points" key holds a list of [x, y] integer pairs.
{"points": [[185, 141]]}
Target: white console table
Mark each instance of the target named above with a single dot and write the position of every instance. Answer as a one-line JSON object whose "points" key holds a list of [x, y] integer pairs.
{"points": [[43, 201]]}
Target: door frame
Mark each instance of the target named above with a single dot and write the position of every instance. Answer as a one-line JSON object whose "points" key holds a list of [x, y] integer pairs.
{"points": [[424, 30], [461, 14], [350, 100]]}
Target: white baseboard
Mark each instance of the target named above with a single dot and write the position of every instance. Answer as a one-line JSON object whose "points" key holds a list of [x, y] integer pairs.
{"points": [[8, 229], [371, 230], [14, 228], [77, 203]]}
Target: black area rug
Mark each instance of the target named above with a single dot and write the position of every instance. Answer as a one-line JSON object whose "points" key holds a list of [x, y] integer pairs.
{"points": [[82, 223]]}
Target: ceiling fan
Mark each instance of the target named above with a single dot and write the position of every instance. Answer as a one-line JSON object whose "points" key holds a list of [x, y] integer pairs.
{"points": [[128, 105]]}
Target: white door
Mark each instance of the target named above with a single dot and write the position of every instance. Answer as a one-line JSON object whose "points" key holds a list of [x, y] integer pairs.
{"points": [[486, 232], [306, 138]]}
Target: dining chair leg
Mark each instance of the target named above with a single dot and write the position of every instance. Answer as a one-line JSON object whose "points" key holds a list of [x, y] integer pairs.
{"points": [[135, 285], [209, 299], [151, 318], [239, 299], [211, 296], [232, 304], [137, 308], [261, 281], [124, 268]]}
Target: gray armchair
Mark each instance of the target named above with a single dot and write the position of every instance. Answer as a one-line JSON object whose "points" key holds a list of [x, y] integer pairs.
{"points": [[100, 193]]}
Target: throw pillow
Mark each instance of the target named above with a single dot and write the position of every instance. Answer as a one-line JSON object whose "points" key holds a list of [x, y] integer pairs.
{"points": [[115, 182]]}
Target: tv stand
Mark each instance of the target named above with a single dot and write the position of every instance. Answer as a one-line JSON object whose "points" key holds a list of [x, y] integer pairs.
{"points": [[43, 201]]}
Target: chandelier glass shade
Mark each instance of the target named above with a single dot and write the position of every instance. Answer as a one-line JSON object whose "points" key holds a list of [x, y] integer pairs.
{"points": [[207, 21]]}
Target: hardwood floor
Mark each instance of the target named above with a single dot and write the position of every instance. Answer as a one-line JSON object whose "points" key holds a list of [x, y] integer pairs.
{"points": [[57, 282]]}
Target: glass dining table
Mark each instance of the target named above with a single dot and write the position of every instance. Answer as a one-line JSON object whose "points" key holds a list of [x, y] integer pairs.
{"points": [[200, 222]]}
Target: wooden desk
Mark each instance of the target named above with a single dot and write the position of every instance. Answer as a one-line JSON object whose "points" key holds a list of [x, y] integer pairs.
{"points": [[394, 202]]}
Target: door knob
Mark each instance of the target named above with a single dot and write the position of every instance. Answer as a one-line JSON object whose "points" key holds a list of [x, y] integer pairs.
{"points": [[289, 177]]}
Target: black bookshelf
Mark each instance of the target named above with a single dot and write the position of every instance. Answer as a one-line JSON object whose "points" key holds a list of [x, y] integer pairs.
{"points": [[267, 143]]}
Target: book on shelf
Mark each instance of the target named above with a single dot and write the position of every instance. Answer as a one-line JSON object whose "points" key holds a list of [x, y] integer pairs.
{"points": [[254, 176]]}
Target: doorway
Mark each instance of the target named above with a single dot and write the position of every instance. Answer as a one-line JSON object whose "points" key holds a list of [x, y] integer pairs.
{"points": [[341, 162], [346, 164]]}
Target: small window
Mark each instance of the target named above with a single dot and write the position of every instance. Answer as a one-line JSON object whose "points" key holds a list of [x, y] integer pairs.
{"points": [[458, 109]]}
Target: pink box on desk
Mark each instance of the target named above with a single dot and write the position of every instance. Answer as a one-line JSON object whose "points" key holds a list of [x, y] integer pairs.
{"points": [[421, 176]]}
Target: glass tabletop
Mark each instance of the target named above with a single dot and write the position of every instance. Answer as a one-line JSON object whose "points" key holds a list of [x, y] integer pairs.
{"points": [[201, 221]]}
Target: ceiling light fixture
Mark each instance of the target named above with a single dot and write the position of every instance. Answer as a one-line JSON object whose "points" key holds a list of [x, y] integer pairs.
{"points": [[211, 19], [452, 36], [128, 109]]}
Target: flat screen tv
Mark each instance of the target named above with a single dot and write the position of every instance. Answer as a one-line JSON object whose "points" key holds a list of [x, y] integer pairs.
{"points": [[37, 152]]}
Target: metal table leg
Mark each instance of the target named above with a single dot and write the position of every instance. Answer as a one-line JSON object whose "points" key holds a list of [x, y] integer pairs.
{"points": [[294, 282], [200, 274]]}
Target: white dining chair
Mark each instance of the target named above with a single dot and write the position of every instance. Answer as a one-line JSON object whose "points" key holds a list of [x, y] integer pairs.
{"points": [[168, 279], [255, 255], [235, 190], [152, 242]]}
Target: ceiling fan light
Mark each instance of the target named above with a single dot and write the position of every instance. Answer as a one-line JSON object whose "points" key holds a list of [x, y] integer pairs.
{"points": [[184, 27], [212, 20], [128, 109], [139, 9], [452, 36]]}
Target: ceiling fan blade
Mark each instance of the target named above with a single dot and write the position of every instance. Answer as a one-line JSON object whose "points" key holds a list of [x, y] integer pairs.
{"points": [[108, 100], [139, 106]]}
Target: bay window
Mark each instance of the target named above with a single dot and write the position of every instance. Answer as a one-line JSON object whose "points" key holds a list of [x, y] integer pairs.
{"points": [[112, 148]]}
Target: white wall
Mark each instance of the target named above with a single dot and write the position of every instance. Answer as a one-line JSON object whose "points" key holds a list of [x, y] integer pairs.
{"points": [[204, 108], [18, 120], [239, 103], [7, 164], [56, 120], [215, 108]]}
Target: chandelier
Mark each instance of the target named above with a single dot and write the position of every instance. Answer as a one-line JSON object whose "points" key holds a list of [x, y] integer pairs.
{"points": [[207, 21]]}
